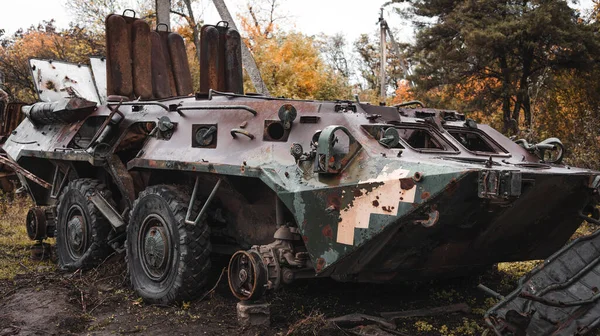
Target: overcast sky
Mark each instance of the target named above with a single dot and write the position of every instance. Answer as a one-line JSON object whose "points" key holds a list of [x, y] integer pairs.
{"points": [[350, 17]]}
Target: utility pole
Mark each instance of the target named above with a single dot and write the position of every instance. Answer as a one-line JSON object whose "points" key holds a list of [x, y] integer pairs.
{"points": [[247, 58], [163, 12], [382, 53]]}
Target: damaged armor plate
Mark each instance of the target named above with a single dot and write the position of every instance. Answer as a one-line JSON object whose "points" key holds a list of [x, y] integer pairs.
{"points": [[559, 297]]}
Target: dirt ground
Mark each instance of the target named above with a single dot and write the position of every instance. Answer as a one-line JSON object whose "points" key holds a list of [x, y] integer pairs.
{"points": [[37, 299], [100, 302]]}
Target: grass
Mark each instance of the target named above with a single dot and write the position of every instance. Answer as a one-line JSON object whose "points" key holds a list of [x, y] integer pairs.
{"points": [[15, 245]]}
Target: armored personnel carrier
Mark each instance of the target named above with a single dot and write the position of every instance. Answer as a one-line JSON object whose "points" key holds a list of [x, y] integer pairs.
{"points": [[289, 188]]}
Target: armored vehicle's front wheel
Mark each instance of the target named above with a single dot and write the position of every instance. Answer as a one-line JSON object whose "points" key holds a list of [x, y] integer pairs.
{"points": [[81, 230], [168, 260]]}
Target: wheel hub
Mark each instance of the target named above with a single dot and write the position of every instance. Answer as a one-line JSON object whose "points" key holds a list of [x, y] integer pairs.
{"points": [[75, 227], [76, 232], [247, 275], [155, 252]]}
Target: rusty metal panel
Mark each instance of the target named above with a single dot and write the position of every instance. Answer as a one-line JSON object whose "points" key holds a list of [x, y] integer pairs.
{"points": [[118, 61], [11, 118], [181, 67], [164, 40], [210, 77], [234, 76], [160, 70], [141, 55], [559, 297], [55, 80]]}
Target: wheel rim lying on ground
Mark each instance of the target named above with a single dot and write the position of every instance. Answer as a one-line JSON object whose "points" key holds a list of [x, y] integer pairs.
{"points": [[247, 277], [168, 260]]}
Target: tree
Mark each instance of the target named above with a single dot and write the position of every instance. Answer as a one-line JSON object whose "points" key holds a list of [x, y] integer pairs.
{"points": [[367, 49], [290, 62], [333, 49], [510, 46], [291, 66], [92, 13], [185, 10]]}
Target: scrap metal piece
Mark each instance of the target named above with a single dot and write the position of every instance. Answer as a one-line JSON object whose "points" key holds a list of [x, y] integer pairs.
{"points": [[15, 166], [56, 80], [559, 297]]}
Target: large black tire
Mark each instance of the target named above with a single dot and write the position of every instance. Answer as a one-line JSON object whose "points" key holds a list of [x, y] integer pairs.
{"points": [[168, 260], [81, 230]]}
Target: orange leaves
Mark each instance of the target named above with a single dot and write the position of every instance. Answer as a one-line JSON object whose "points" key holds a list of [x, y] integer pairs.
{"points": [[403, 93], [291, 66]]}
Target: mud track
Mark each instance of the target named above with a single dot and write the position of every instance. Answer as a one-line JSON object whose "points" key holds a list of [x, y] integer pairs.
{"points": [[99, 302]]}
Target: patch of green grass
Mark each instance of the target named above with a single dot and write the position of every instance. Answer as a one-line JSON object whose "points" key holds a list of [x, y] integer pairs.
{"points": [[515, 270], [15, 245]]}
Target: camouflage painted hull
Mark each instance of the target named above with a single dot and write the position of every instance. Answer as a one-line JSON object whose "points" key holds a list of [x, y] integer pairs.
{"points": [[373, 213]]}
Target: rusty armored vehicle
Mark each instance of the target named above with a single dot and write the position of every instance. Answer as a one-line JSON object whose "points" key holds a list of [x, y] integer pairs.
{"points": [[289, 188]]}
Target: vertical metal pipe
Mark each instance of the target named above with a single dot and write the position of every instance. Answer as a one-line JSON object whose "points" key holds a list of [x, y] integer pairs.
{"points": [[163, 10], [382, 51]]}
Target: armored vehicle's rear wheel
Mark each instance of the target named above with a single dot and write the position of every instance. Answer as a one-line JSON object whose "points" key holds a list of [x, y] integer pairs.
{"points": [[168, 260], [81, 239]]}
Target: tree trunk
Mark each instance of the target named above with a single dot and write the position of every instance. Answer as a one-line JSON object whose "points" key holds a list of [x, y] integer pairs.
{"points": [[194, 25], [524, 86], [247, 58], [505, 94]]}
